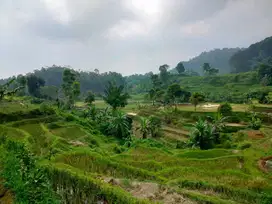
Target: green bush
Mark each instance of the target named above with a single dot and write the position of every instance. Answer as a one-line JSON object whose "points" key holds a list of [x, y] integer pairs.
{"points": [[225, 109], [119, 149], [244, 145], [227, 144], [255, 123], [92, 142], [28, 182], [239, 136], [181, 145]]}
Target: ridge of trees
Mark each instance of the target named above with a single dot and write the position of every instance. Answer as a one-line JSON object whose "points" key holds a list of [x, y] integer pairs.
{"points": [[247, 59]]}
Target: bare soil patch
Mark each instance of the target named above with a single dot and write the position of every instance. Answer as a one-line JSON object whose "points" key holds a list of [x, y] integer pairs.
{"points": [[77, 143], [151, 191], [265, 164], [5, 196], [255, 134]]}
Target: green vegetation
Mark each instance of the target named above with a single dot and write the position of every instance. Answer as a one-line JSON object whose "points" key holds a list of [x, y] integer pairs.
{"points": [[245, 60], [76, 137]]}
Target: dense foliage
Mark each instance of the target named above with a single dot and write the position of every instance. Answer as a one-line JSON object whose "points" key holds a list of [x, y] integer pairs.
{"points": [[246, 59], [24, 177], [225, 109], [93, 81], [115, 96], [4, 89], [218, 58]]}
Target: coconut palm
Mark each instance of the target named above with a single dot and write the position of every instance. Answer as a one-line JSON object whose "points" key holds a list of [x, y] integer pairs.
{"points": [[218, 124], [154, 126], [202, 135], [119, 125]]}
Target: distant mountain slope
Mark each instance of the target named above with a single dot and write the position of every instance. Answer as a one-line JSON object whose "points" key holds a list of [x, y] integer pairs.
{"points": [[218, 58], [246, 59]]}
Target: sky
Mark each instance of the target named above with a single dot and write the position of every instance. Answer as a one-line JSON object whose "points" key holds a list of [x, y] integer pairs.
{"points": [[126, 36]]}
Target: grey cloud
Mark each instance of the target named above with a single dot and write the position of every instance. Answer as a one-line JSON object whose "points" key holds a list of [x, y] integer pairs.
{"points": [[88, 19], [77, 33]]}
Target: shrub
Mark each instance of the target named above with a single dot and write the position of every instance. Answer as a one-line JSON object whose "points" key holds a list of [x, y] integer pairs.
{"points": [[239, 136], [227, 144], [92, 142], [46, 109], [225, 109], [119, 149], [255, 123], [244, 145], [24, 177]]}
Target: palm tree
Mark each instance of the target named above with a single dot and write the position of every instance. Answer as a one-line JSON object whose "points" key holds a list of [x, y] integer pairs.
{"points": [[119, 125], [201, 135], [154, 125], [218, 124], [144, 127]]}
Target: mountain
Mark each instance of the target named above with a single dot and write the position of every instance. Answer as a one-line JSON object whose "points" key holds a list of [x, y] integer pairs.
{"points": [[217, 58], [245, 60]]}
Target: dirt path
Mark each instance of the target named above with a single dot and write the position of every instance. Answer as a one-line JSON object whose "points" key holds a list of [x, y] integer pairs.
{"points": [[235, 125]]}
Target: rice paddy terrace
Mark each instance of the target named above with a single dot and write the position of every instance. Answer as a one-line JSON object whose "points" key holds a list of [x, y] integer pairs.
{"points": [[85, 166]]}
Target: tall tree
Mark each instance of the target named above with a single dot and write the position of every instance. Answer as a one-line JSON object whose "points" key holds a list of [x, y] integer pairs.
{"points": [[206, 67], [164, 74], [90, 98], [70, 86], [34, 83], [22, 81], [265, 73], [174, 92], [115, 96], [180, 68], [197, 98], [208, 70]]}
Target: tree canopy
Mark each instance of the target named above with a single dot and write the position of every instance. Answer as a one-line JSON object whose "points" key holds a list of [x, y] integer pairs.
{"points": [[115, 96]]}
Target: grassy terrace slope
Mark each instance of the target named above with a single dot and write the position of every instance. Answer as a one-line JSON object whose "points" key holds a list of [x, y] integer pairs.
{"points": [[87, 166]]}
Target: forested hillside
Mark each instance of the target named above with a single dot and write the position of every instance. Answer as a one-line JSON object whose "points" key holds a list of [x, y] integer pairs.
{"points": [[93, 81], [217, 58], [247, 59]]}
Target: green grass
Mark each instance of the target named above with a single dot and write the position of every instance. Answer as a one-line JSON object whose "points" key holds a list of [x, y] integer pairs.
{"points": [[11, 107], [205, 154], [70, 132]]}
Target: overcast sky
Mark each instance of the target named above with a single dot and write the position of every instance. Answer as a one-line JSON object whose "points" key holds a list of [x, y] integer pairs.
{"points": [[127, 36]]}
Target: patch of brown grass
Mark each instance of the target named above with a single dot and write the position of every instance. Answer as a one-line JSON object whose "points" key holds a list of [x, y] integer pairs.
{"points": [[255, 134]]}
